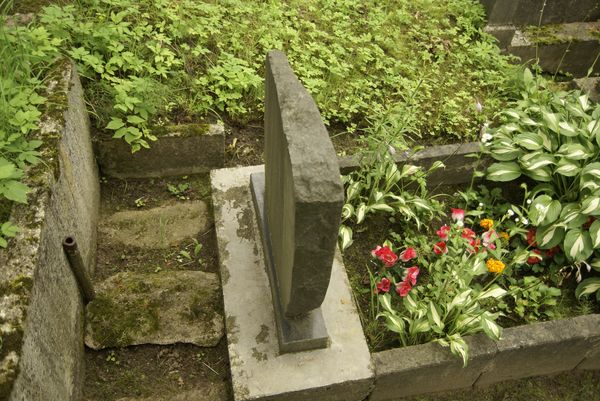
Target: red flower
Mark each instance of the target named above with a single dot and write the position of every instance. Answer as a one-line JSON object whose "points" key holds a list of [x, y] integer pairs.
{"points": [[458, 214], [443, 232], [468, 233], [531, 237], [412, 274], [440, 248], [552, 251], [408, 254], [403, 288], [386, 255], [475, 243], [589, 222], [383, 285], [532, 260]]}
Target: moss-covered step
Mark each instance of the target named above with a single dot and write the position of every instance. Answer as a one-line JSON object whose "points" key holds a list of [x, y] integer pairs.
{"points": [[155, 308], [159, 227]]}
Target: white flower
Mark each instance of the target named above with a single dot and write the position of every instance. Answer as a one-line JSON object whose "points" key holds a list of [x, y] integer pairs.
{"points": [[525, 221], [529, 201], [517, 219], [459, 223], [480, 204], [485, 138], [510, 213]]}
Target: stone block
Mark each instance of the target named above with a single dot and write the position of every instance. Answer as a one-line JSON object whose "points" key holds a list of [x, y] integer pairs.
{"points": [[534, 12], [155, 308], [503, 33], [303, 191], [179, 150], [589, 326], [537, 349], [342, 371], [428, 368], [589, 85], [38, 293], [570, 48]]}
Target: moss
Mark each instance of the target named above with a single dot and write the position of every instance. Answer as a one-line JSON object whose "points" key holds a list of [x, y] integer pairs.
{"points": [[5, 209], [183, 130], [20, 285], [8, 375], [544, 35], [113, 323]]}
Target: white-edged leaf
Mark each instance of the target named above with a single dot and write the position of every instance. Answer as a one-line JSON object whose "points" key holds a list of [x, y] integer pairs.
{"points": [[361, 211], [494, 292], [578, 245], [345, 235], [503, 172], [491, 328], [591, 205], [588, 286], [595, 234], [549, 236]]}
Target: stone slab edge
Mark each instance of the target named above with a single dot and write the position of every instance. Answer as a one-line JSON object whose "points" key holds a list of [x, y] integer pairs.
{"points": [[524, 351], [343, 371], [43, 312], [459, 168], [172, 154], [528, 12]]}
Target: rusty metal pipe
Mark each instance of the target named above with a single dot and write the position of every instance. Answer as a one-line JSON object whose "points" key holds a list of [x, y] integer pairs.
{"points": [[78, 268]]}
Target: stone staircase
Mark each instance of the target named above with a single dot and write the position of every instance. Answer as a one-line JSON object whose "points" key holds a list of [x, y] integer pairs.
{"points": [[155, 330]]}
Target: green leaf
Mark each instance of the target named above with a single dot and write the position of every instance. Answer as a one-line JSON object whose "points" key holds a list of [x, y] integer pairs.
{"points": [[578, 245], [15, 191], [571, 216], [393, 322], [133, 119], [505, 151], [434, 317], [587, 287], [115, 124], [538, 210], [549, 236], [7, 169], [503, 172], [567, 129], [567, 168], [595, 234], [574, 151], [592, 169], [538, 162], [490, 328], [386, 301], [543, 174], [493, 292], [529, 141], [551, 121], [360, 213], [591, 205], [345, 234]]}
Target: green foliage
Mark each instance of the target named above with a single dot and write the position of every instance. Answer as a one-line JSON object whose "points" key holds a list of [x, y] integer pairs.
{"points": [[379, 186], [553, 138], [426, 62], [180, 191], [531, 300], [456, 297]]}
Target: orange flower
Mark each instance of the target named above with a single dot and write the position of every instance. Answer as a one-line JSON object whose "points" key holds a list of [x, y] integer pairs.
{"points": [[495, 266], [504, 235], [486, 224]]}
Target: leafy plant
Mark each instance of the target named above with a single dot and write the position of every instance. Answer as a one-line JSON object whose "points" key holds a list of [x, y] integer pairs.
{"points": [[181, 191], [380, 186], [456, 296], [531, 299], [553, 139]]}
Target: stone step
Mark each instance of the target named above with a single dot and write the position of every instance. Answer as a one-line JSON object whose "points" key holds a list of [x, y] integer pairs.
{"points": [[159, 227], [155, 308], [570, 48], [534, 12]]}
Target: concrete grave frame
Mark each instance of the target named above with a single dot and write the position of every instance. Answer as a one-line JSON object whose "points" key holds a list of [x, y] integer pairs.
{"points": [[531, 350], [42, 356]]}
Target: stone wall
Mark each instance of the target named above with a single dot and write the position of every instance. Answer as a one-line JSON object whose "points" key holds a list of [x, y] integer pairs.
{"points": [[42, 325]]}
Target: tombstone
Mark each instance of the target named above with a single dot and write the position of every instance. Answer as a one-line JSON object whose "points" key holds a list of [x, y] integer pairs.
{"points": [[298, 200]]}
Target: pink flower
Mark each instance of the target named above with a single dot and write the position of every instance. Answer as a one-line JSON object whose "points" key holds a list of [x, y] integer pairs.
{"points": [[468, 233], [474, 243], [440, 248], [403, 288], [443, 232], [458, 214], [412, 274], [408, 254], [489, 237], [386, 255], [383, 285]]}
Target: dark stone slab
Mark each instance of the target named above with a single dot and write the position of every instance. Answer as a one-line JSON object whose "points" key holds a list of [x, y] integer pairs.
{"points": [[529, 12], [304, 193], [179, 150], [297, 334]]}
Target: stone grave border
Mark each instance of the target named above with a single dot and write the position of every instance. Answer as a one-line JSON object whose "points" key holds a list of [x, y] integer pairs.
{"points": [[531, 350], [43, 355]]}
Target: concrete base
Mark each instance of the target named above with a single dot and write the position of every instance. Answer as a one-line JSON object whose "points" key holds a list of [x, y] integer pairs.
{"points": [[341, 371]]}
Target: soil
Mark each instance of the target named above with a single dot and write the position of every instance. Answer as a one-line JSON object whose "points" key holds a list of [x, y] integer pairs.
{"points": [[148, 370]]}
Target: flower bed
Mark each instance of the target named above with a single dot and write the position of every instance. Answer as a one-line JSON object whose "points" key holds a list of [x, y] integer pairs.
{"points": [[492, 262]]}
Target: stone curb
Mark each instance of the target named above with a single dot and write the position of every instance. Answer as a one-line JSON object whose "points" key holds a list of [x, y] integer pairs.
{"points": [[42, 322], [528, 12], [180, 150]]}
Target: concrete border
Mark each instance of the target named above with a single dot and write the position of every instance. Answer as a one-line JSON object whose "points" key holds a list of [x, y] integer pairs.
{"points": [[525, 351], [179, 150], [342, 371], [42, 320]]}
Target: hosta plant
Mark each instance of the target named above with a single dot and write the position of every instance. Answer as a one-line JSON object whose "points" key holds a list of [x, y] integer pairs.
{"points": [[380, 186], [552, 138]]}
